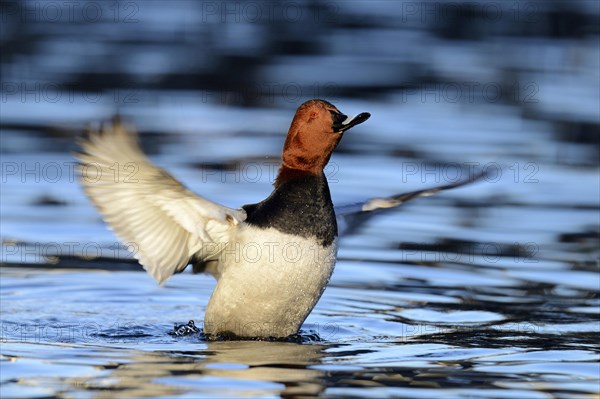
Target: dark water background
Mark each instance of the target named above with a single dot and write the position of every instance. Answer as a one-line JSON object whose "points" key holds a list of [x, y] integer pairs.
{"points": [[489, 291]]}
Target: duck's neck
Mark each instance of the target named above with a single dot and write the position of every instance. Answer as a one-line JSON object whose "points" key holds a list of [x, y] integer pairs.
{"points": [[287, 173]]}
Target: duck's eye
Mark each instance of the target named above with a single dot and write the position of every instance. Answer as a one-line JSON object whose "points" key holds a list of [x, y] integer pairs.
{"points": [[313, 115]]}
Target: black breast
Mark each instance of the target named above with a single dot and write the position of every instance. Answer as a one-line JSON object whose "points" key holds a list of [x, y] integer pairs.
{"points": [[300, 206]]}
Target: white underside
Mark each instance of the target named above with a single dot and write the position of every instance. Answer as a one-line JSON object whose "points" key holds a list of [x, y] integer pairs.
{"points": [[269, 282]]}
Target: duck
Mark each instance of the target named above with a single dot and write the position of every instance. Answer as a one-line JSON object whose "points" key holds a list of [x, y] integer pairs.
{"points": [[272, 260]]}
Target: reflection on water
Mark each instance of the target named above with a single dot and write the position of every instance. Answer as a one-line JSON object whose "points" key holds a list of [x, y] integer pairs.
{"points": [[489, 291], [236, 368]]}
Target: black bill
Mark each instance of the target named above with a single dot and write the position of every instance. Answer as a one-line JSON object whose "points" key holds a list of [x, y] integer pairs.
{"points": [[345, 123]]}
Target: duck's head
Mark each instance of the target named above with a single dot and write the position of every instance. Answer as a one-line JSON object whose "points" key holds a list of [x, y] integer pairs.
{"points": [[315, 131]]}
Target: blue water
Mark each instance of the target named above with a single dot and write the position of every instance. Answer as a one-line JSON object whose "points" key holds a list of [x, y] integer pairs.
{"points": [[487, 291]]}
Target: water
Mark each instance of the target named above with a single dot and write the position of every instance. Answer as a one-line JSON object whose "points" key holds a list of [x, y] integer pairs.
{"points": [[487, 291]]}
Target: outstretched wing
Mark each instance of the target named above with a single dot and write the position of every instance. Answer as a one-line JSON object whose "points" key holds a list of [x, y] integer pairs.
{"points": [[163, 222], [351, 216]]}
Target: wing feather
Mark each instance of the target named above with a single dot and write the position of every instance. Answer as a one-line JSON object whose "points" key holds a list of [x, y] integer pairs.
{"points": [[145, 206], [349, 217]]}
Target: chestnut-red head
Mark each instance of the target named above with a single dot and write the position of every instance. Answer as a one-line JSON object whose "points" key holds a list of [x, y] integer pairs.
{"points": [[315, 131]]}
